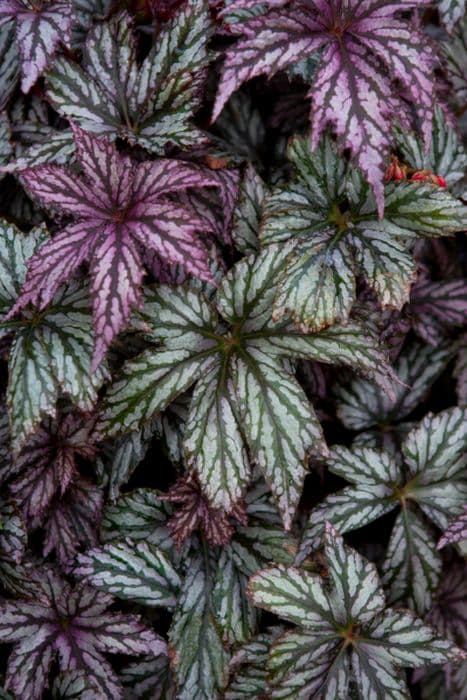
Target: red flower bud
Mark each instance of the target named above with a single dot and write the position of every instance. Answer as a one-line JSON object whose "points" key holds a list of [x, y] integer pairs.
{"points": [[428, 176], [420, 176], [395, 171], [440, 181]]}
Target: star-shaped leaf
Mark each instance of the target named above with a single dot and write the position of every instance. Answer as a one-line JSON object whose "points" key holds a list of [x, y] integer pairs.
{"points": [[430, 485], [245, 396], [73, 626], [151, 104], [120, 210], [364, 407], [148, 569], [364, 47], [328, 218], [346, 634]]}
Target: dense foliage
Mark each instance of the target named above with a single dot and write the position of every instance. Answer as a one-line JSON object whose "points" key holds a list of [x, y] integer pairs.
{"points": [[233, 305]]}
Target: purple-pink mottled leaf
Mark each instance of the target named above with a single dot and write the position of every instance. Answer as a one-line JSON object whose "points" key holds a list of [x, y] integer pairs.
{"points": [[273, 42], [73, 626], [117, 272], [170, 229], [47, 464], [108, 173], [73, 520], [122, 210], [156, 179], [366, 50], [60, 191], [29, 664], [456, 532], [449, 611], [40, 27], [433, 308]]}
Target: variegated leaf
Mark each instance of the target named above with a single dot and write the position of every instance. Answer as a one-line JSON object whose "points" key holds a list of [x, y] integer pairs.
{"points": [[51, 355], [140, 516], [248, 668], [363, 48], [149, 678], [330, 224], [214, 444], [252, 546], [435, 452], [13, 535], [152, 104], [9, 64], [446, 155], [456, 532], [199, 659], [73, 521], [37, 629], [135, 571], [120, 209], [50, 352], [39, 30], [348, 509], [412, 566], [451, 11], [236, 615], [151, 382], [362, 405], [454, 51], [73, 685], [436, 307], [128, 453], [245, 392], [248, 212], [348, 638], [280, 425]]}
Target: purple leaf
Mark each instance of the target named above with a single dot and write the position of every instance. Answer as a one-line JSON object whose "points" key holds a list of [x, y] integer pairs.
{"points": [[122, 209], [13, 536], [73, 520], [46, 466], [449, 611], [365, 49], [273, 43], [456, 532], [195, 513], [40, 27], [73, 625], [433, 308]]}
